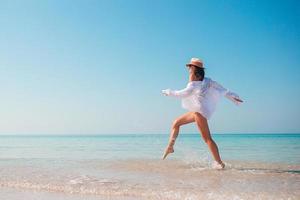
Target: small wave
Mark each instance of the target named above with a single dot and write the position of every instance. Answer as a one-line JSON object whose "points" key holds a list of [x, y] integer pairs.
{"points": [[173, 166], [138, 192], [158, 179]]}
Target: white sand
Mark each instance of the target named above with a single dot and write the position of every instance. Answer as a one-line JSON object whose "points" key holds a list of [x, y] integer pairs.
{"points": [[17, 194]]}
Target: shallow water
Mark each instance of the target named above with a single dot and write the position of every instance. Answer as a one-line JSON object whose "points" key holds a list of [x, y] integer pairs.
{"points": [[129, 166]]}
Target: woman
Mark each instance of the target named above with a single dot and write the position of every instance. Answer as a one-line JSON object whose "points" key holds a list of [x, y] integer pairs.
{"points": [[200, 98]]}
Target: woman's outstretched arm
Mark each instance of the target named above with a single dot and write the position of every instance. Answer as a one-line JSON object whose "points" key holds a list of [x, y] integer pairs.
{"points": [[180, 93], [227, 93]]}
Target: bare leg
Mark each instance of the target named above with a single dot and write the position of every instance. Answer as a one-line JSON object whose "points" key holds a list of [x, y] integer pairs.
{"points": [[204, 129], [183, 119]]}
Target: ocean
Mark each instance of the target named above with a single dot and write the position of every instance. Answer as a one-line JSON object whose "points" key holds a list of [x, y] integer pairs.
{"points": [[129, 166]]}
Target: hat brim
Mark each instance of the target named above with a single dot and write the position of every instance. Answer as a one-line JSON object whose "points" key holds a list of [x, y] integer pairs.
{"points": [[188, 64]]}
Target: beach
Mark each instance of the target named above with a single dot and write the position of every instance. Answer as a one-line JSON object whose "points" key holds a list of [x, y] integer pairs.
{"points": [[92, 92], [129, 166]]}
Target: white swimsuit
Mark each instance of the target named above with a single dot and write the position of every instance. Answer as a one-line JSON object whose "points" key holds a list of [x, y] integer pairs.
{"points": [[203, 96]]}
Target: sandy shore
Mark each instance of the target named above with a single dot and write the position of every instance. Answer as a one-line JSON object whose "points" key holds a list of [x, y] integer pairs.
{"points": [[19, 194]]}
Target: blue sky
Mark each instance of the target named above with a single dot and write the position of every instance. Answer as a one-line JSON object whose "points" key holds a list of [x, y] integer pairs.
{"points": [[92, 67]]}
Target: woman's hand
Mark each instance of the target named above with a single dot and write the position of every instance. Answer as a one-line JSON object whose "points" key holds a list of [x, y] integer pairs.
{"points": [[166, 92], [239, 100]]}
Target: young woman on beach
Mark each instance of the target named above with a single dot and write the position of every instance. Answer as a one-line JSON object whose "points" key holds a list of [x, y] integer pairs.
{"points": [[200, 98]]}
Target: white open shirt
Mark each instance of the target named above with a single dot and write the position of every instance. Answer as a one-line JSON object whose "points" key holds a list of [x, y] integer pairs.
{"points": [[202, 96]]}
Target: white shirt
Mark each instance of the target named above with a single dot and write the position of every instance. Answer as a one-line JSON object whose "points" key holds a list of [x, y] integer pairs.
{"points": [[202, 96]]}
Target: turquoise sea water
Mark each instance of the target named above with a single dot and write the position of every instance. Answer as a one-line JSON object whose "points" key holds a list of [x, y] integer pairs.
{"points": [[280, 148], [130, 165]]}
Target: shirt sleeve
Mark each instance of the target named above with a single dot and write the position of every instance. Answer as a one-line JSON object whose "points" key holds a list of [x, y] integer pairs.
{"points": [[225, 92], [184, 92]]}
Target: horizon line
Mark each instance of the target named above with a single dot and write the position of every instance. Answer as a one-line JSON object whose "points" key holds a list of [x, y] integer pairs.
{"points": [[117, 134]]}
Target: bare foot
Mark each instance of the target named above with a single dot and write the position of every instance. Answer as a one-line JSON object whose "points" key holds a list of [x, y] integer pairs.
{"points": [[217, 165], [168, 150], [222, 165]]}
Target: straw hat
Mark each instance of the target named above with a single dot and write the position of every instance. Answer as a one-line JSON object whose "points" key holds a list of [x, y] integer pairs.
{"points": [[196, 62]]}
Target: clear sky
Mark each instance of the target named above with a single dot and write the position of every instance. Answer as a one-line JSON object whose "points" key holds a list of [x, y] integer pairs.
{"points": [[93, 67]]}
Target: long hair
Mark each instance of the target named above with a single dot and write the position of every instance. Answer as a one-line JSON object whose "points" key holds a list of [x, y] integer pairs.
{"points": [[199, 73]]}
